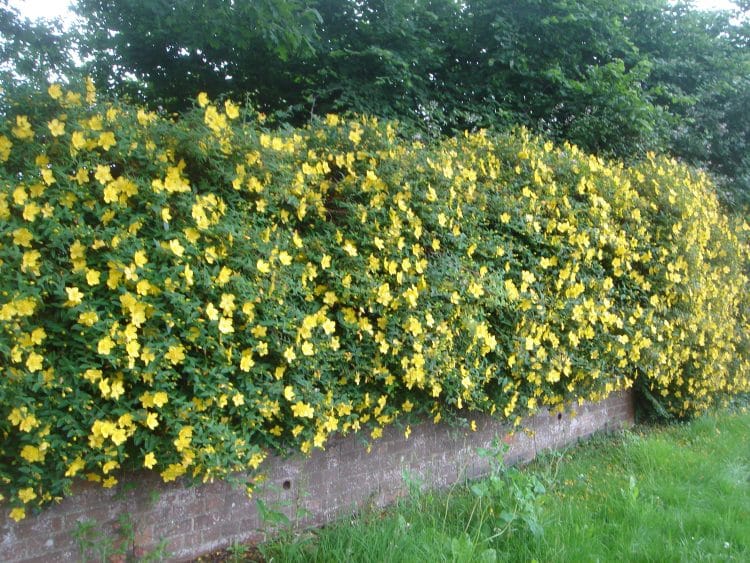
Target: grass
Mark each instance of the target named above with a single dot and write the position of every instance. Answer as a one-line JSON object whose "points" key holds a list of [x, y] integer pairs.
{"points": [[674, 493]]}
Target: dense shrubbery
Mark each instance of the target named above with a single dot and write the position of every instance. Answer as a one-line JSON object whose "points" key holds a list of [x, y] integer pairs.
{"points": [[189, 296]]}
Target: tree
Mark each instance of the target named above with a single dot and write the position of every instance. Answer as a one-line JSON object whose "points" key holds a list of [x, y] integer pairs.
{"points": [[701, 72], [165, 51], [31, 54], [616, 78]]}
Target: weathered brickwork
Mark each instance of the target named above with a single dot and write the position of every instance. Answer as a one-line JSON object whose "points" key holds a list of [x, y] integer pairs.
{"points": [[314, 490]]}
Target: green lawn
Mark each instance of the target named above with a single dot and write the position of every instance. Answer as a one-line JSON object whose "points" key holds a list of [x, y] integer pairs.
{"points": [[675, 493]]}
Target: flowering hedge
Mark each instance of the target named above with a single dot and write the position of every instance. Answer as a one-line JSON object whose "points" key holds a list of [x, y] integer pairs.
{"points": [[188, 296]]}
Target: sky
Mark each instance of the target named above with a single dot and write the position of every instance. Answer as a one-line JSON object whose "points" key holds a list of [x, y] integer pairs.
{"points": [[35, 9]]}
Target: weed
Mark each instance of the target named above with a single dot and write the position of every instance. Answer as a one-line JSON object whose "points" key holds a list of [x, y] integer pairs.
{"points": [[237, 552], [96, 545]]}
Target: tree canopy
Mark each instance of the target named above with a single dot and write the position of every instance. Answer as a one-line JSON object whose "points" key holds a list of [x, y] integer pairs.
{"points": [[616, 78]]}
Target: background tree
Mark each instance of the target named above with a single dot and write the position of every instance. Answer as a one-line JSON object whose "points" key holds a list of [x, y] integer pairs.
{"points": [[616, 78], [164, 51], [31, 54], [701, 72]]}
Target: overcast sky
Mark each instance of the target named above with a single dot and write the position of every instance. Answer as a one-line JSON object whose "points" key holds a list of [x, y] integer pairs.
{"points": [[52, 8]]}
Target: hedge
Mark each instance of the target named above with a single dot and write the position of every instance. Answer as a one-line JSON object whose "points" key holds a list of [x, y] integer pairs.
{"points": [[191, 294]]}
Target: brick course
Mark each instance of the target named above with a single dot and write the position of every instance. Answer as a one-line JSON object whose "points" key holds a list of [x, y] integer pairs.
{"points": [[310, 491]]}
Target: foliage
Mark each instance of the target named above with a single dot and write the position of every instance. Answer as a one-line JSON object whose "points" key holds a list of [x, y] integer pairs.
{"points": [[188, 296], [614, 78], [701, 73], [31, 52], [159, 53]]}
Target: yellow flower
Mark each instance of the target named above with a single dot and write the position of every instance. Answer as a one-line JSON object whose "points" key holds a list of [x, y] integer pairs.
{"points": [[34, 362], [302, 410], [149, 460], [5, 146], [17, 415], [413, 326], [105, 346], [152, 420], [75, 467], [238, 399], [289, 354], [23, 130], [139, 258], [285, 258], [30, 262], [476, 290], [256, 460], [184, 438], [176, 247], [103, 174], [93, 277], [289, 393], [78, 140], [225, 325], [145, 117], [203, 100], [225, 274], [308, 349], [227, 303], [118, 436], [33, 454], [160, 399], [54, 91], [329, 326], [246, 361], [384, 295], [106, 140], [56, 127], [511, 290], [231, 110], [215, 121], [74, 296], [176, 354], [117, 389], [90, 90], [18, 514], [88, 318], [95, 123], [92, 375], [109, 466], [349, 248], [263, 266], [212, 312], [22, 237], [30, 211], [172, 472]]}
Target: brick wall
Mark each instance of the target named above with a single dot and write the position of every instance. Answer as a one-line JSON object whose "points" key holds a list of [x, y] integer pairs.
{"points": [[314, 490]]}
